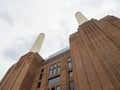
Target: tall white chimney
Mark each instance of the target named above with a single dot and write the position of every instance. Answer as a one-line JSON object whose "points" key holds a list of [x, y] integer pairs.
{"points": [[80, 18], [38, 43]]}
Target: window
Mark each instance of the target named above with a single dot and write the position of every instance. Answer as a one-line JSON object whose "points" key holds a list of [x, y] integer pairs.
{"points": [[40, 76], [53, 88], [70, 74], [54, 80], [58, 64], [58, 88], [55, 65], [69, 63], [69, 59], [50, 73], [71, 85], [58, 70], [42, 70], [51, 67], [39, 85], [55, 71]]}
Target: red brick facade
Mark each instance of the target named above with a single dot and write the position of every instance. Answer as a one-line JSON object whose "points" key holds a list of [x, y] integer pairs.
{"points": [[95, 57]]}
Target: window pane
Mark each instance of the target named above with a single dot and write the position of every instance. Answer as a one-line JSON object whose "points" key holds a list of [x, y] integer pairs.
{"points": [[58, 70], [69, 65], [51, 67], [55, 71], [42, 70], [70, 74], [53, 80], [40, 77], [58, 63], [39, 85], [50, 73], [72, 85], [53, 88], [58, 88], [69, 59], [55, 65]]}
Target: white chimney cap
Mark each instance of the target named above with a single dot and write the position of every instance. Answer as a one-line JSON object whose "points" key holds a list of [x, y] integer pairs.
{"points": [[80, 18]]}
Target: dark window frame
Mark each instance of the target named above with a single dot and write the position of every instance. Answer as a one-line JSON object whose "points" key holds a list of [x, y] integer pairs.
{"points": [[70, 73], [39, 84], [71, 85]]}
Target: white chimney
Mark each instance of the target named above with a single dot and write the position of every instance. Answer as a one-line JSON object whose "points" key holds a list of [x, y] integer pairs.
{"points": [[38, 43], [80, 18]]}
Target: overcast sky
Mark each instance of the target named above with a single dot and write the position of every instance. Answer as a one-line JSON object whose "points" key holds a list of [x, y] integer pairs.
{"points": [[22, 20]]}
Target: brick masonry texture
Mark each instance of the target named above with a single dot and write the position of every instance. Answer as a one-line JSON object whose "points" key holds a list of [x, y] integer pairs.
{"points": [[95, 53]]}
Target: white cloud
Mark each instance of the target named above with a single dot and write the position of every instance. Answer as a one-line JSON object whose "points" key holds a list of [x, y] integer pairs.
{"points": [[22, 20]]}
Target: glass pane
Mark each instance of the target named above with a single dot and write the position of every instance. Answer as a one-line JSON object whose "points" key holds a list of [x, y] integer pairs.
{"points": [[58, 63], [42, 70], [53, 88], [51, 67], [72, 85], [55, 65], [40, 77], [55, 71], [50, 73], [54, 80], [69, 65], [39, 85], [70, 74], [58, 88], [69, 59], [58, 70]]}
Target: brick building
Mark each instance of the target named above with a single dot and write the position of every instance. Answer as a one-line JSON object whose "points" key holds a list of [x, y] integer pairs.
{"points": [[92, 62]]}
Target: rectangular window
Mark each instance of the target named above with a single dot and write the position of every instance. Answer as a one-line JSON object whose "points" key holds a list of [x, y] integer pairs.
{"points": [[54, 80], [51, 67], [70, 74], [40, 76], [69, 59], [58, 88], [58, 64], [50, 73], [42, 70], [39, 85], [53, 88], [71, 85], [69, 65], [58, 70], [55, 65], [55, 71]]}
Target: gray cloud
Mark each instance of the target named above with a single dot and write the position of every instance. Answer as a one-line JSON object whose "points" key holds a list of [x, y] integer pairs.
{"points": [[19, 47], [5, 16]]}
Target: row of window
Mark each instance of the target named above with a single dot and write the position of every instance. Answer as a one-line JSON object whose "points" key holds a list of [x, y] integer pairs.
{"points": [[54, 69], [70, 74], [41, 74]]}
